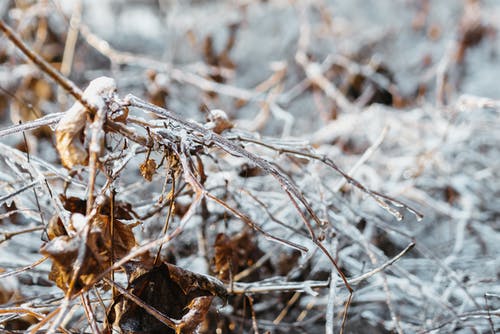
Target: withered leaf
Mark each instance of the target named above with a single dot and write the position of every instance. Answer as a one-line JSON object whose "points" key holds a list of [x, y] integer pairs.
{"points": [[219, 121], [122, 210], [189, 281], [148, 169], [198, 309], [74, 204], [123, 236], [55, 228], [63, 250], [70, 136], [234, 254], [176, 293]]}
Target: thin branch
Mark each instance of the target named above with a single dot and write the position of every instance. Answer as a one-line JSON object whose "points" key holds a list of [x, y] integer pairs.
{"points": [[50, 119], [23, 269], [66, 84]]}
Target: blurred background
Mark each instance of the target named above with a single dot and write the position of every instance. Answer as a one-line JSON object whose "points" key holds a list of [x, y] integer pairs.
{"points": [[404, 94]]}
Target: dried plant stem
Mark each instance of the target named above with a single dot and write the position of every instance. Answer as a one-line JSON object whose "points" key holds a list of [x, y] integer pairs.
{"points": [[22, 269], [378, 197], [68, 85], [95, 148], [89, 313], [286, 184], [50, 119], [22, 310], [307, 286], [332, 294], [171, 208], [71, 38], [36, 329], [252, 312], [70, 44], [289, 304], [359, 279], [313, 70], [481, 314], [8, 235], [178, 75], [151, 310], [18, 191], [366, 155], [281, 286]]}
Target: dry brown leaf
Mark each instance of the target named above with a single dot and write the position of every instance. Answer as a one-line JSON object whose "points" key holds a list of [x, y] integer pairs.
{"points": [[198, 309], [55, 228], [189, 297], [219, 121], [234, 254], [63, 250], [123, 237], [148, 169], [70, 134], [121, 210], [70, 137]]}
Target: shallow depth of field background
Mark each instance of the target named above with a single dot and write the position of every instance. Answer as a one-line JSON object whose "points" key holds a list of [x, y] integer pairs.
{"points": [[406, 89]]}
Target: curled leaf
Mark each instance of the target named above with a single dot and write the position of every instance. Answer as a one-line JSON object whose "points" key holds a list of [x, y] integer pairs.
{"points": [[218, 121], [233, 254], [64, 250], [70, 132], [70, 137], [181, 295], [148, 169]]}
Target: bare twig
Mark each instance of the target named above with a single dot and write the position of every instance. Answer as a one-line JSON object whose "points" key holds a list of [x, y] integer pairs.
{"points": [[68, 85]]}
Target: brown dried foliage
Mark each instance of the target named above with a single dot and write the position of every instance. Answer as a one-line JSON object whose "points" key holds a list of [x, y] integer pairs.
{"points": [[99, 249], [148, 168], [178, 294], [233, 254]]}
